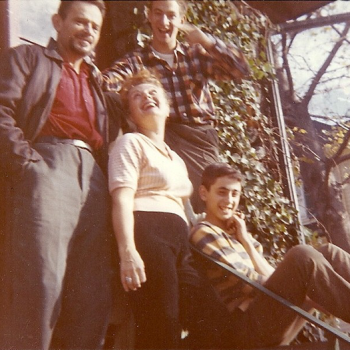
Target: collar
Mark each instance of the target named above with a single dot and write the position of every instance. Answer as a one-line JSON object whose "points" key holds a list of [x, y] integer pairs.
{"points": [[51, 51], [179, 49]]}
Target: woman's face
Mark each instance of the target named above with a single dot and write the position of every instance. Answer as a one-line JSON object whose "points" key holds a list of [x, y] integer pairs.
{"points": [[147, 101]]}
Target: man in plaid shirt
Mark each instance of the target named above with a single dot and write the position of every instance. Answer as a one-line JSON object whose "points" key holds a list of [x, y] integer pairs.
{"points": [[185, 70]]}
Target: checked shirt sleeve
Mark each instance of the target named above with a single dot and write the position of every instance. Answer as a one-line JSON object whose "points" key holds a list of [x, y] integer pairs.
{"points": [[114, 77], [229, 61]]}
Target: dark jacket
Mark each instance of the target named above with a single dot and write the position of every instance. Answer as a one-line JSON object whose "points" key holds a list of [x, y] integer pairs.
{"points": [[29, 75]]}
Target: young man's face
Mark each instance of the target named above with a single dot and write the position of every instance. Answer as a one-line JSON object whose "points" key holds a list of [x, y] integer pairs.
{"points": [[165, 17], [221, 200], [79, 32], [148, 104]]}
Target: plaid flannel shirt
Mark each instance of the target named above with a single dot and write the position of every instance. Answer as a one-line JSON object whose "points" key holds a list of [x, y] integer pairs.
{"points": [[187, 83], [214, 242]]}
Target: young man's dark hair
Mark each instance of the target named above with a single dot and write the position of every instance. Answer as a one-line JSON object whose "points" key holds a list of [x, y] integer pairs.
{"points": [[66, 4], [182, 4], [216, 170]]}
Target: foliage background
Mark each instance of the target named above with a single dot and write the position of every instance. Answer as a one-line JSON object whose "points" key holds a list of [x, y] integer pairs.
{"points": [[249, 136]]}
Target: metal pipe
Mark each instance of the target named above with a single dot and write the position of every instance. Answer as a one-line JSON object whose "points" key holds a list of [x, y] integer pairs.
{"points": [[288, 166]]}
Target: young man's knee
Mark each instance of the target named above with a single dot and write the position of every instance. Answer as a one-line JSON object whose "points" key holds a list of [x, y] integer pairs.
{"points": [[337, 257], [329, 250], [302, 253]]}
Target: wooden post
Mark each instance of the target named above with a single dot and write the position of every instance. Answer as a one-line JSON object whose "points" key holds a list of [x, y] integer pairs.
{"points": [[4, 26]]}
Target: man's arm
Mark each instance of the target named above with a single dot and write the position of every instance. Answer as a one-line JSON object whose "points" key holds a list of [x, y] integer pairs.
{"points": [[229, 61], [14, 74], [114, 76]]}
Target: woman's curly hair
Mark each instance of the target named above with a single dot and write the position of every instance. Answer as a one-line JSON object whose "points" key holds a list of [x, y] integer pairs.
{"points": [[144, 76]]}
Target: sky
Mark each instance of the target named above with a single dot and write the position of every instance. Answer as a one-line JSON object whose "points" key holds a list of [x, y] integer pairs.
{"points": [[309, 51], [31, 19]]}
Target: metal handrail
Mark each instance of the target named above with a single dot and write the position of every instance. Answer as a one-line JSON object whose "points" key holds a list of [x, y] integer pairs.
{"points": [[302, 313]]}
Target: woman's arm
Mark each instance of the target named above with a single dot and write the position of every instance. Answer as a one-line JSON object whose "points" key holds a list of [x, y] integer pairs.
{"points": [[131, 264]]}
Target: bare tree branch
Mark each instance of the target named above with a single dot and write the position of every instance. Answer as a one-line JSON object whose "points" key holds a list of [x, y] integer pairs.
{"points": [[338, 156], [338, 32], [327, 62], [341, 159], [286, 66]]}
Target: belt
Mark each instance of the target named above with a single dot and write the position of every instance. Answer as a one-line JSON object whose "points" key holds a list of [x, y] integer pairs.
{"points": [[54, 140]]}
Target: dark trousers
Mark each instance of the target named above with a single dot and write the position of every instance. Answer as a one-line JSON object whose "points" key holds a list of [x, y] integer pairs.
{"points": [[55, 287], [174, 297], [198, 146], [323, 275]]}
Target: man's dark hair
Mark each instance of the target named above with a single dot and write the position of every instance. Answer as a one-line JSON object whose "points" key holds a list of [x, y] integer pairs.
{"points": [[182, 4], [66, 4], [216, 170]]}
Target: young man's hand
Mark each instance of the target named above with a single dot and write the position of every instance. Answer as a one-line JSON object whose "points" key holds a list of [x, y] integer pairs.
{"points": [[194, 35], [236, 226]]}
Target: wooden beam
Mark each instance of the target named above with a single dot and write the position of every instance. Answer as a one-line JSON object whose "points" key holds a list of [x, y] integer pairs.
{"points": [[299, 26], [283, 11], [4, 26]]}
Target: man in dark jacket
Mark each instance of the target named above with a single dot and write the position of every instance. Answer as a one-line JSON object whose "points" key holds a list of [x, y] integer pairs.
{"points": [[56, 258]]}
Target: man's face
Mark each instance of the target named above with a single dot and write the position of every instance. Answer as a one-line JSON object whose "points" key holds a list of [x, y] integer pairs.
{"points": [[221, 200], [148, 105], [79, 32], [165, 17]]}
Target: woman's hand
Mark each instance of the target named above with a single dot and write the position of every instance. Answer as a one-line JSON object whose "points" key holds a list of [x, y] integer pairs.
{"points": [[132, 268], [132, 271]]}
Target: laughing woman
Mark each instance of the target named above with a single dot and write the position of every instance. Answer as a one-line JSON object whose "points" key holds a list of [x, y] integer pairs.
{"points": [[148, 184]]}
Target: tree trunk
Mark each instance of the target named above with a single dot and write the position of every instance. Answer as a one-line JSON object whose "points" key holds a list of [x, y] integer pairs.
{"points": [[324, 197]]}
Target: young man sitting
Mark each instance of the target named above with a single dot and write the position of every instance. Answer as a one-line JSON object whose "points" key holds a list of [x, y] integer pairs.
{"points": [[307, 277]]}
